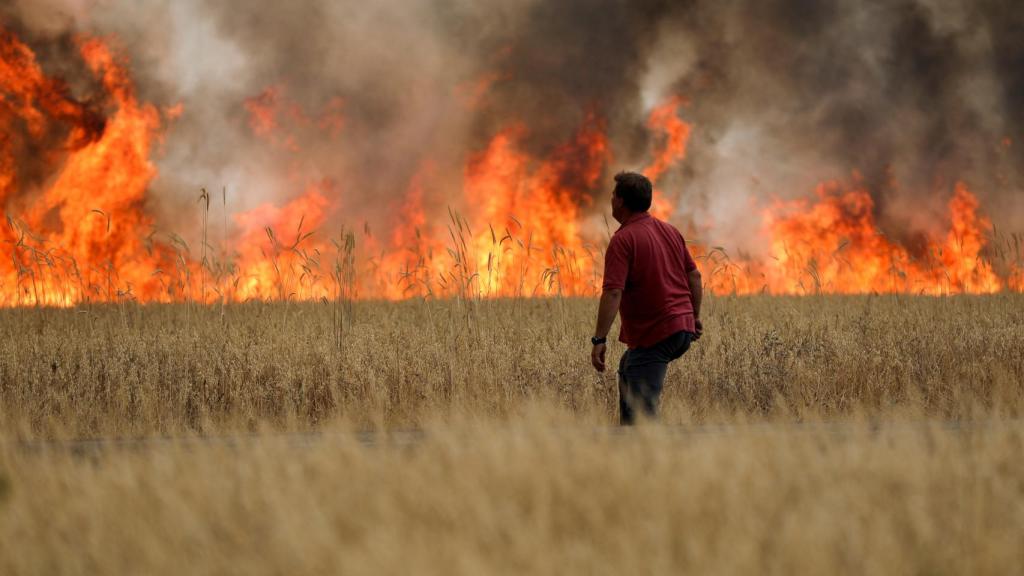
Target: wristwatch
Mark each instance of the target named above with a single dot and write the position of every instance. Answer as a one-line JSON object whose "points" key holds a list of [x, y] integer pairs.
{"points": [[595, 340]]}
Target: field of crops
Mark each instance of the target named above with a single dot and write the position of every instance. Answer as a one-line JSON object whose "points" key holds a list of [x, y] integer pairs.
{"points": [[822, 434]]}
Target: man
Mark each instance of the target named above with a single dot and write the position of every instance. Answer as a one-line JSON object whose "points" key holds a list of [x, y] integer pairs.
{"points": [[651, 278]]}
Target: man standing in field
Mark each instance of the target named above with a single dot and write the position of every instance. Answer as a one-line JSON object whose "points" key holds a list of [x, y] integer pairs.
{"points": [[651, 278]]}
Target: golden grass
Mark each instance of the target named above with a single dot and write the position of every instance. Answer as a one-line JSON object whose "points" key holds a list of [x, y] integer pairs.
{"points": [[817, 435], [173, 369], [530, 497]]}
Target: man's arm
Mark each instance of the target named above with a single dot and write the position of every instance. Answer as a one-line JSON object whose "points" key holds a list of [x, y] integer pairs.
{"points": [[696, 287], [696, 295], [610, 300]]}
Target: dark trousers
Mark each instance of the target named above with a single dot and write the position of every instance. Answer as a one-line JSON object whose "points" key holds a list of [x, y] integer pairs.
{"points": [[642, 376]]}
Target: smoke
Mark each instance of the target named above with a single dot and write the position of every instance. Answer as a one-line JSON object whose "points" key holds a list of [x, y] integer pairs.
{"points": [[912, 95]]}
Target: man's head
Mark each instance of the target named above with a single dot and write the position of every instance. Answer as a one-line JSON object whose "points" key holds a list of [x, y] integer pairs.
{"points": [[632, 194]]}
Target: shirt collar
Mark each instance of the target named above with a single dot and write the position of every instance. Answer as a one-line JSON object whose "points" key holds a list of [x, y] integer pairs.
{"points": [[636, 217]]}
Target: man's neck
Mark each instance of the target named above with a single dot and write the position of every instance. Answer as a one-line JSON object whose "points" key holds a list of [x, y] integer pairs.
{"points": [[632, 216]]}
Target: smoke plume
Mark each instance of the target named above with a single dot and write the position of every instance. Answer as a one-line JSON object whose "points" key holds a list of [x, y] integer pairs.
{"points": [[912, 96]]}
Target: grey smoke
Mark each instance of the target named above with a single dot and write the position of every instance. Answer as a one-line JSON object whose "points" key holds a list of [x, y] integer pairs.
{"points": [[912, 94]]}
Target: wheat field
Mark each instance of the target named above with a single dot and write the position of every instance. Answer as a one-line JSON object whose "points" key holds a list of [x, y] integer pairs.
{"points": [[824, 434]]}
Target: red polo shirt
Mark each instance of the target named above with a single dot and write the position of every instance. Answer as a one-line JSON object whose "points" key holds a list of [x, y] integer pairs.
{"points": [[648, 260]]}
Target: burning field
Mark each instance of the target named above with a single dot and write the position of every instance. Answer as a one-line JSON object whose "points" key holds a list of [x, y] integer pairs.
{"points": [[102, 206], [306, 287]]}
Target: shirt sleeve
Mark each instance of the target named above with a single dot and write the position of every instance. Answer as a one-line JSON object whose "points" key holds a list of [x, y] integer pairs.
{"points": [[688, 262], [616, 264]]}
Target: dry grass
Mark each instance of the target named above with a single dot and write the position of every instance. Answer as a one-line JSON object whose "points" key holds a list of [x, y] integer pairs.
{"points": [[824, 435], [172, 369], [530, 498]]}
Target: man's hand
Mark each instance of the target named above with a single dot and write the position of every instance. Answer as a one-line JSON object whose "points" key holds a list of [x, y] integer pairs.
{"points": [[700, 329], [597, 356]]}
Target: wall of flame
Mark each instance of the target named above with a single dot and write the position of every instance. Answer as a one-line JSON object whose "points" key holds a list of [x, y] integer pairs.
{"points": [[75, 179]]}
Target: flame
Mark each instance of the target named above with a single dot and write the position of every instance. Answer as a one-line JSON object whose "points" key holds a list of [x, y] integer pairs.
{"points": [[675, 133], [1016, 280], [275, 118], [74, 177], [279, 256], [534, 243], [413, 264], [834, 245], [664, 119], [83, 236], [263, 111]]}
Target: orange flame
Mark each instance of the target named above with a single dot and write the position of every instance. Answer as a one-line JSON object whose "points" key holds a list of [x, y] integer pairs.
{"points": [[279, 256], [519, 226], [81, 237], [834, 245], [271, 112], [665, 120], [534, 245], [1016, 280]]}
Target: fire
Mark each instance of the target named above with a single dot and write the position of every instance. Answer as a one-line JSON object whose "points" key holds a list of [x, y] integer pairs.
{"points": [[278, 256], [273, 117], [665, 120], [82, 237], [75, 173], [834, 245], [1016, 280], [412, 265], [534, 242]]}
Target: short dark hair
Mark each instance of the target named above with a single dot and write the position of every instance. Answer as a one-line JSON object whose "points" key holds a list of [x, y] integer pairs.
{"points": [[635, 191]]}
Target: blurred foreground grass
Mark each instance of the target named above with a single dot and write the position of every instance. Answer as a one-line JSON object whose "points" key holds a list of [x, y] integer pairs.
{"points": [[536, 495]]}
